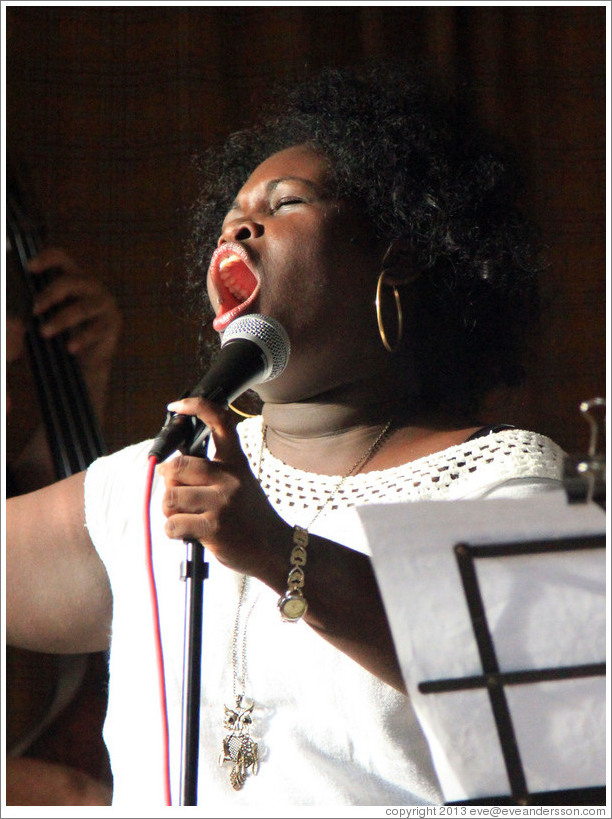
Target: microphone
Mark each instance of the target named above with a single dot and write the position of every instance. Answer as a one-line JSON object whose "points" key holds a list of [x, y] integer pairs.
{"points": [[254, 349]]}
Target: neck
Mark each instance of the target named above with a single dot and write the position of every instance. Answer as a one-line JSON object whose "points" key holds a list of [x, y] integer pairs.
{"points": [[327, 435], [312, 421]]}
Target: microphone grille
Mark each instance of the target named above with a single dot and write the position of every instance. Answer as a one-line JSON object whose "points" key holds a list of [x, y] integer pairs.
{"points": [[268, 334]]}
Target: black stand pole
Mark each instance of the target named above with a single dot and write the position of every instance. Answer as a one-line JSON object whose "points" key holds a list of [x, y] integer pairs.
{"points": [[195, 571]]}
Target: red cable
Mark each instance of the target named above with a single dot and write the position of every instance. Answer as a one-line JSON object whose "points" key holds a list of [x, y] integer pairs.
{"points": [[158, 642]]}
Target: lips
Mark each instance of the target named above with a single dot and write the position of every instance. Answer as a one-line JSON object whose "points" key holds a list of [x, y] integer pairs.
{"points": [[234, 285]]}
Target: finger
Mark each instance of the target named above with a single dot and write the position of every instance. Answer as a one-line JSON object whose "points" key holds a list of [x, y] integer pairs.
{"points": [[201, 527], [186, 470], [220, 421], [73, 288], [195, 499], [69, 318], [89, 337], [53, 257]]}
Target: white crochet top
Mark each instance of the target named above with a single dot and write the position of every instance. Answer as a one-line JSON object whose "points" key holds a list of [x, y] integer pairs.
{"points": [[330, 733], [500, 461]]}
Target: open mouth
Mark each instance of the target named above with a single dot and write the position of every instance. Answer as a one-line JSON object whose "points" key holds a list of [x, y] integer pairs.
{"points": [[234, 285]]}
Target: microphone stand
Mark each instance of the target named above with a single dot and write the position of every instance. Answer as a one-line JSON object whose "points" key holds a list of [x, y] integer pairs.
{"points": [[254, 349], [194, 572]]}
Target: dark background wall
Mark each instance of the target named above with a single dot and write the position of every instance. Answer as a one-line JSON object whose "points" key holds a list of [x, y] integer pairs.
{"points": [[106, 105]]}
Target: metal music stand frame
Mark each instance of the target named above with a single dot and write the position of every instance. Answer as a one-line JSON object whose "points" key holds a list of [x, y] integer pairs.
{"points": [[495, 681]]}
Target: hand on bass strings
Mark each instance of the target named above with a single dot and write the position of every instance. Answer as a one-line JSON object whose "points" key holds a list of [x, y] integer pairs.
{"points": [[81, 307]]}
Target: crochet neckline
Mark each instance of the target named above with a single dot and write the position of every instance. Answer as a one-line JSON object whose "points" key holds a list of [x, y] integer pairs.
{"points": [[448, 473], [253, 428]]}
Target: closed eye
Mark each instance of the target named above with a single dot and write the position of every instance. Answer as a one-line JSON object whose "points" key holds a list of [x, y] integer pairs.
{"points": [[286, 200]]}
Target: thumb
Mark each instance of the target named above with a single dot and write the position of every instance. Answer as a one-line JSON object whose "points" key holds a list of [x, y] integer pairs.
{"points": [[218, 419]]}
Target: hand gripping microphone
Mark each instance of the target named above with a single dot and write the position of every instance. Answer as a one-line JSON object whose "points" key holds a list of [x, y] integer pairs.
{"points": [[254, 349]]}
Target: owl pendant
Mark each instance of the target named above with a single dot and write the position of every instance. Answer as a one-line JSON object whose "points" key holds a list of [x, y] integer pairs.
{"points": [[238, 747]]}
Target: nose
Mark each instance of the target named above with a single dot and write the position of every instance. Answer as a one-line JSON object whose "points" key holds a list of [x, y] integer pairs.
{"points": [[239, 230]]}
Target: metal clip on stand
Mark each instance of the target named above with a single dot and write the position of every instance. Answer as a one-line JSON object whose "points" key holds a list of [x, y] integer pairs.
{"points": [[194, 572], [584, 476]]}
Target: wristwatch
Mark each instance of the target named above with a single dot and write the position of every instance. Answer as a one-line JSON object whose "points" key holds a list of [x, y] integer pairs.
{"points": [[292, 606]]}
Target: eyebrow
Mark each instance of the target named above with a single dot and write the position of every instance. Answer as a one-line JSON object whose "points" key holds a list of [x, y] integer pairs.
{"points": [[274, 183]]}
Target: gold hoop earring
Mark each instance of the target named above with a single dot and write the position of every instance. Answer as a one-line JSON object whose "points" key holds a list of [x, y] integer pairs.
{"points": [[240, 412], [400, 315]]}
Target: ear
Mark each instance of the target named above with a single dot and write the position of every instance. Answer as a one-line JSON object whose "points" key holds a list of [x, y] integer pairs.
{"points": [[399, 263]]}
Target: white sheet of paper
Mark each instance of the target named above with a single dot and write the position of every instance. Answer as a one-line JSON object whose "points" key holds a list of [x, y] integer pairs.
{"points": [[543, 610]]}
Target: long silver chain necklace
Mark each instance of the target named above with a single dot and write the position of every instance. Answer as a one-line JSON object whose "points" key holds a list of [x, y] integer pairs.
{"points": [[238, 746]]}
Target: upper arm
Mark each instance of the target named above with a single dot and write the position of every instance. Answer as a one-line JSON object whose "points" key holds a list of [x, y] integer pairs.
{"points": [[58, 596]]}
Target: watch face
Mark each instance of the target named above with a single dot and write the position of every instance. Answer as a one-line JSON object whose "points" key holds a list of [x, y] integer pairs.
{"points": [[292, 608]]}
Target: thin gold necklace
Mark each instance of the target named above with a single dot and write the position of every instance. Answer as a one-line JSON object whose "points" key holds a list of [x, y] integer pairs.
{"points": [[238, 746]]}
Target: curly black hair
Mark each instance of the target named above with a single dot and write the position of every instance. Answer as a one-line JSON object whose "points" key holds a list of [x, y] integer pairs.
{"points": [[425, 173]]}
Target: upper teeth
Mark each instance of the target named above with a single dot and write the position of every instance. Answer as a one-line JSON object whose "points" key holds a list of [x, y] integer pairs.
{"points": [[227, 259], [229, 279]]}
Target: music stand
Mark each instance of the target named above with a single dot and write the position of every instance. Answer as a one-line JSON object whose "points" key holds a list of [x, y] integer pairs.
{"points": [[495, 681], [430, 559]]}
